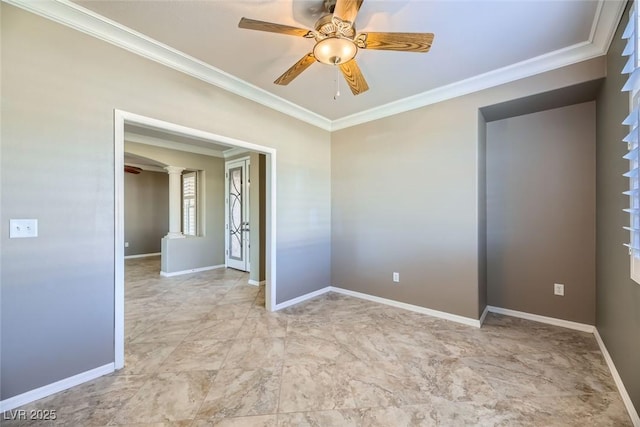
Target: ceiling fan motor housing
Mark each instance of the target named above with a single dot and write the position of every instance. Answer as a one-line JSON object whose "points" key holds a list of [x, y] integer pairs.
{"points": [[329, 26]]}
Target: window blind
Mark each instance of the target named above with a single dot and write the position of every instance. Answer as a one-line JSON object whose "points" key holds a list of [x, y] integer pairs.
{"points": [[632, 85], [189, 197]]}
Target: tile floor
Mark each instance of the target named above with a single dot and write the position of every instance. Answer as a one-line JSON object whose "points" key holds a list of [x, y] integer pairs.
{"points": [[201, 350]]}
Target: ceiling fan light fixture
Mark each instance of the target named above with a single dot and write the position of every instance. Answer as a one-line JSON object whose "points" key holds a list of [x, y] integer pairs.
{"points": [[335, 50]]}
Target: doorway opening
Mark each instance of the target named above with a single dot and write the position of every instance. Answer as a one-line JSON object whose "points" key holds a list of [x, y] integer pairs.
{"points": [[122, 118]]}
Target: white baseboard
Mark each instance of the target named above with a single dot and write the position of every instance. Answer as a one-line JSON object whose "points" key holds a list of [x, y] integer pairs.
{"points": [[434, 313], [142, 255], [583, 327], [633, 414], [193, 270], [58, 386], [484, 315], [256, 283], [302, 298]]}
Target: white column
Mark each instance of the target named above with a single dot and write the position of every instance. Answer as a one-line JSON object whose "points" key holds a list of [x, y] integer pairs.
{"points": [[174, 202]]}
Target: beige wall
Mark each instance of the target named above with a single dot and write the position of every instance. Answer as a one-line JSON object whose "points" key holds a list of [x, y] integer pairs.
{"points": [[405, 198], [59, 91], [146, 211], [541, 212]]}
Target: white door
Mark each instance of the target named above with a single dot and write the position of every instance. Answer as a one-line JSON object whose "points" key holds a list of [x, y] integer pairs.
{"points": [[237, 214]]}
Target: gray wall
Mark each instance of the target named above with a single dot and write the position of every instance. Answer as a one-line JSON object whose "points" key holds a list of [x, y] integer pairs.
{"points": [[59, 90], [541, 212], [405, 197], [146, 211], [206, 249], [617, 296]]}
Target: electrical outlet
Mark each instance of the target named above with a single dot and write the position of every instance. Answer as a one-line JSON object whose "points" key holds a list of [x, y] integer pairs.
{"points": [[558, 289], [126, 244], [20, 228], [396, 277]]}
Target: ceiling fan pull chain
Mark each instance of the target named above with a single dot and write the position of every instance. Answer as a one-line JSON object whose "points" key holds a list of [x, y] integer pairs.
{"points": [[336, 80]]}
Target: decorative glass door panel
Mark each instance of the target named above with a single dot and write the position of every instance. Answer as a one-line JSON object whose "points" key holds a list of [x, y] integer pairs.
{"points": [[237, 215]]}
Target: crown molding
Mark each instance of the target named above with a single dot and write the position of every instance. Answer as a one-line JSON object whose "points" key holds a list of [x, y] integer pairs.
{"points": [[605, 22], [147, 168], [607, 16], [172, 145], [234, 152], [84, 20]]}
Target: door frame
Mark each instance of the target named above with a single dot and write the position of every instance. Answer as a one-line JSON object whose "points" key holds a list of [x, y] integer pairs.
{"points": [[120, 119], [247, 161]]}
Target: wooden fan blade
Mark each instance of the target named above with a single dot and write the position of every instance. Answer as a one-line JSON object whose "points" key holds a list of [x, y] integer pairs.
{"points": [[295, 71], [347, 10], [354, 77], [252, 24], [406, 42]]}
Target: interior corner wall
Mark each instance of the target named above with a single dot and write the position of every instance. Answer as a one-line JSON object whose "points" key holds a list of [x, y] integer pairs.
{"points": [[482, 213], [59, 91], [541, 212], [146, 211], [405, 197], [617, 296]]}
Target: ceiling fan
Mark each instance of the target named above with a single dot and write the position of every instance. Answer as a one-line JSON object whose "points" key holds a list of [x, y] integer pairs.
{"points": [[337, 42]]}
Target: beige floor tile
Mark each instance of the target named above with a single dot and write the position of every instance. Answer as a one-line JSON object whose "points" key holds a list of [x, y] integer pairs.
{"points": [[255, 353], [241, 392], [196, 356], [253, 421], [221, 329], [342, 418], [202, 350], [313, 387], [263, 326], [167, 397], [145, 358]]}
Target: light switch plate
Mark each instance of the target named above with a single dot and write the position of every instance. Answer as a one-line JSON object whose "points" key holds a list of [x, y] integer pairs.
{"points": [[22, 228]]}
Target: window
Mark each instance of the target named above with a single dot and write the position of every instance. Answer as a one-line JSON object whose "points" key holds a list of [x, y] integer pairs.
{"points": [[632, 68], [190, 204]]}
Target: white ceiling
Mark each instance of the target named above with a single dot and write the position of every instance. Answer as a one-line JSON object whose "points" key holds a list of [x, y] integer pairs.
{"points": [[497, 41]]}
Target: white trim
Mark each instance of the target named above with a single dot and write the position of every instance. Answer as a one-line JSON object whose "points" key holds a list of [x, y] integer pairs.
{"points": [[233, 152], [605, 22], [256, 283], [303, 298], [633, 414], [547, 62], [192, 270], [484, 315], [434, 313], [56, 387], [118, 310], [270, 233], [543, 319], [172, 145], [142, 255]]}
